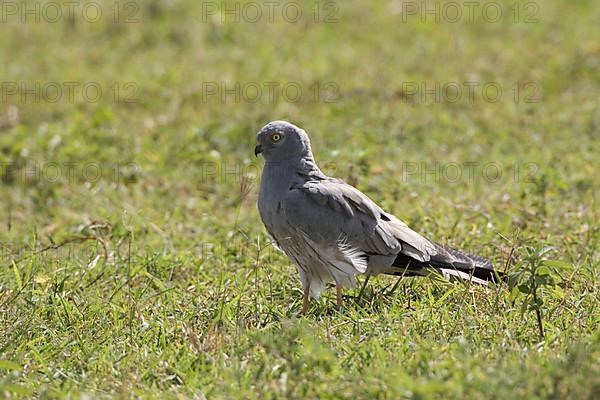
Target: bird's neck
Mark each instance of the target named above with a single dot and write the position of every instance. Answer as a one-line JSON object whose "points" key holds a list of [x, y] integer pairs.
{"points": [[279, 176], [308, 167], [293, 171]]}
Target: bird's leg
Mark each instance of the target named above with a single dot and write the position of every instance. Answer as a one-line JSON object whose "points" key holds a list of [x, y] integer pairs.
{"points": [[399, 279], [395, 285], [338, 289], [305, 300], [362, 289]]}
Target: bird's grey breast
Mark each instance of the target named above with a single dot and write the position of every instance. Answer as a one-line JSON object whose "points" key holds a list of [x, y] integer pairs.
{"points": [[274, 185]]}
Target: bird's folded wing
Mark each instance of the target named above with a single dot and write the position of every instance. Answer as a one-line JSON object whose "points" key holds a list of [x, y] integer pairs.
{"points": [[323, 208]]}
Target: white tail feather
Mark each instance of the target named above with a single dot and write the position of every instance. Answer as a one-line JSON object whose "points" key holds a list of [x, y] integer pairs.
{"points": [[448, 273]]}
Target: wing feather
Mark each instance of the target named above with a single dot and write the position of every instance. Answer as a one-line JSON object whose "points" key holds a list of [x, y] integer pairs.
{"points": [[322, 207]]}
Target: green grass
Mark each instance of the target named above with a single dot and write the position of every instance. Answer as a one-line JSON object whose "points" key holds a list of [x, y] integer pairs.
{"points": [[157, 279]]}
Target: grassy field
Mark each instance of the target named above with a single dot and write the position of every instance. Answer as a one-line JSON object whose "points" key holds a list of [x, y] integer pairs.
{"points": [[133, 260]]}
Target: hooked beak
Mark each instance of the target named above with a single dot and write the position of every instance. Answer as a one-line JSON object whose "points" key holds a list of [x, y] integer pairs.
{"points": [[257, 150]]}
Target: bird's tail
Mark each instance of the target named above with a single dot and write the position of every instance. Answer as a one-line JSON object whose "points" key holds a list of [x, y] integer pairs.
{"points": [[450, 263]]}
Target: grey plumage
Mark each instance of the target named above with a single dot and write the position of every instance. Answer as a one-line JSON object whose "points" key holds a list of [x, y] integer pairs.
{"points": [[332, 231]]}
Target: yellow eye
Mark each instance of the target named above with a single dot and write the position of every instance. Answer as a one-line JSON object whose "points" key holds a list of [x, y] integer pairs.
{"points": [[276, 137]]}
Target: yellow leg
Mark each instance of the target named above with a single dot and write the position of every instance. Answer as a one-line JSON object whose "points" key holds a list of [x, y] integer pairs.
{"points": [[338, 289], [305, 300]]}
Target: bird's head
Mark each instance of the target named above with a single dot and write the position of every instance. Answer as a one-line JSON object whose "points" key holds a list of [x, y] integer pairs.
{"points": [[282, 141]]}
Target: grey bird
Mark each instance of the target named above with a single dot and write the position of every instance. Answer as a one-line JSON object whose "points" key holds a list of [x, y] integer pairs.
{"points": [[333, 232]]}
